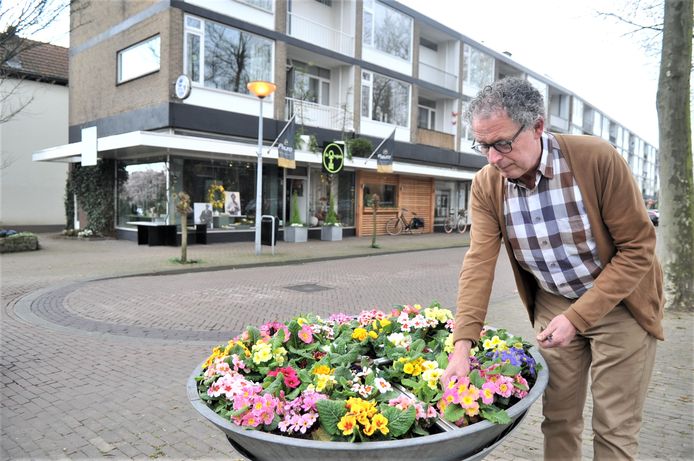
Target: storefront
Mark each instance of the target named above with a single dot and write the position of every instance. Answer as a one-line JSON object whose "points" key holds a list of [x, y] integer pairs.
{"points": [[220, 178]]}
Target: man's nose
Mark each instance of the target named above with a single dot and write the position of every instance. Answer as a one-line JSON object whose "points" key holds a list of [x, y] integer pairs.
{"points": [[493, 155]]}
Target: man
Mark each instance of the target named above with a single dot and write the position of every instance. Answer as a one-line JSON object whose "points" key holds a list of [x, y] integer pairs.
{"points": [[583, 254], [206, 216]]}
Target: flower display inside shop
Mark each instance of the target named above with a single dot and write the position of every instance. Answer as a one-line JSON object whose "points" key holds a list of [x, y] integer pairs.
{"points": [[373, 376]]}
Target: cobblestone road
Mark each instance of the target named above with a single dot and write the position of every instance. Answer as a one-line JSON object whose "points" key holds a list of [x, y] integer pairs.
{"points": [[96, 368]]}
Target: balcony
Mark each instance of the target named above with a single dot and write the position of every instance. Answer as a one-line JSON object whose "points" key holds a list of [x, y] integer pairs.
{"points": [[313, 114], [437, 76], [435, 138], [559, 123], [319, 34]]}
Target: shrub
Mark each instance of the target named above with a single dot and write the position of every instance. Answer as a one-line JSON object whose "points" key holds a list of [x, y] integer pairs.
{"points": [[22, 241]]}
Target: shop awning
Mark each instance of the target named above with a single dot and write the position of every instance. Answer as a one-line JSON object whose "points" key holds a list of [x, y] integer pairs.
{"points": [[137, 144]]}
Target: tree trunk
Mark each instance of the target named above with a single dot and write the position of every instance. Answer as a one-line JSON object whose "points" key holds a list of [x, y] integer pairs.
{"points": [[676, 202], [184, 238]]}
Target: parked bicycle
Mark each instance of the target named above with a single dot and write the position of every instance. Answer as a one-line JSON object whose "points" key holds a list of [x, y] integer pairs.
{"points": [[395, 226], [460, 222]]}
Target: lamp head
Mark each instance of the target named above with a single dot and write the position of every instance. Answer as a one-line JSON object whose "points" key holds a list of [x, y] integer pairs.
{"points": [[261, 88]]}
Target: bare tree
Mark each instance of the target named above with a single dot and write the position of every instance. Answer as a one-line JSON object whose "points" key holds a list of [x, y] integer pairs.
{"points": [[22, 19], [666, 26], [676, 172]]}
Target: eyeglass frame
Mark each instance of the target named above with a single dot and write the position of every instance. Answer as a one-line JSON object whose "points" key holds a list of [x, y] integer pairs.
{"points": [[483, 148]]}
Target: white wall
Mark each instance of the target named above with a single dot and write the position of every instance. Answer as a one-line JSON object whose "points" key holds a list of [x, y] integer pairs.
{"points": [[31, 193]]}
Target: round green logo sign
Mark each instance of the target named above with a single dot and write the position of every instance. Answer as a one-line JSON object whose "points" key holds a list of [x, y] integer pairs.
{"points": [[333, 158]]}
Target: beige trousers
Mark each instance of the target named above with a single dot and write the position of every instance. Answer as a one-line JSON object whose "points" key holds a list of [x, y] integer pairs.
{"points": [[619, 355]]}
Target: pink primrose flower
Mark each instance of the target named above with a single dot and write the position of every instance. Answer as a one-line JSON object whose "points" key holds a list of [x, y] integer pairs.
{"points": [[269, 330], [504, 386], [306, 334], [487, 393]]}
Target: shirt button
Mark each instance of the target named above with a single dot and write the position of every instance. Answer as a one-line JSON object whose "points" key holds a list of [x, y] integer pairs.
{"points": [[537, 219], [544, 243]]}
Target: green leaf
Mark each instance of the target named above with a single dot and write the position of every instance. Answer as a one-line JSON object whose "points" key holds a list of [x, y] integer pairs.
{"points": [[276, 386], [509, 370], [475, 379], [495, 415], [399, 421], [330, 412], [454, 412]]}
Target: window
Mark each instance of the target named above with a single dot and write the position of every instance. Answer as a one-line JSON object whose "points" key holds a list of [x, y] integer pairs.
{"points": [[426, 115], [140, 59], [388, 98], [226, 58], [478, 70], [262, 4], [577, 112], [310, 83], [387, 29], [466, 135], [386, 193]]}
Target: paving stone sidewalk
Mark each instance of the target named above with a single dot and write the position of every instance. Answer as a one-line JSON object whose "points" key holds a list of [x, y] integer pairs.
{"points": [[94, 354]]}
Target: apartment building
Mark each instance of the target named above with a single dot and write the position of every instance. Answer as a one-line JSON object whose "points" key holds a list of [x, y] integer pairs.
{"points": [[343, 69]]}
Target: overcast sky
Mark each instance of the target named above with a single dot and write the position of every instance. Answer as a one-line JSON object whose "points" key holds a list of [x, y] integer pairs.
{"points": [[566, 40]]}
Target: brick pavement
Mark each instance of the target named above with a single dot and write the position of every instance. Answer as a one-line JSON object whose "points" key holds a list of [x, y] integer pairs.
{"points": [[94, 358]]}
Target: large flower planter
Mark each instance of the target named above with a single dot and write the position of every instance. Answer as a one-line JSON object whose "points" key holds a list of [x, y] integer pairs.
{"points": [[473, 442], [293, 234], [331, 233]]}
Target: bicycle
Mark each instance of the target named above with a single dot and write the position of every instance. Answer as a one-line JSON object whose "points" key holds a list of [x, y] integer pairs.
{"points": [[395, 226], [461, 222]]}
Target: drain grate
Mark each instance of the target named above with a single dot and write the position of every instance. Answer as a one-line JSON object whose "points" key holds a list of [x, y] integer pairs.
{"points": [[307, 288]]}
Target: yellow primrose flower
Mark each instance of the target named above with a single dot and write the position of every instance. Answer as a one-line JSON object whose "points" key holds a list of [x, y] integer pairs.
{"points": [[429, 365], [301, 321], [262, 352], [347, 424], [359, 334], [323, 381], [322, 370], [385, 323], [279, 355], [373, 335], [380, 422], [216, 352], [408, 368], [448, 346]]}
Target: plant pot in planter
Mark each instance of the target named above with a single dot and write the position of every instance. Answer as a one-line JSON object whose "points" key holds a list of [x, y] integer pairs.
{"points": [[295, 234], [331, 233]]}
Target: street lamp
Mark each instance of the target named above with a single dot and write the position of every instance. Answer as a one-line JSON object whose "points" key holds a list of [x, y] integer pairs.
{"points": [[260, 89]]}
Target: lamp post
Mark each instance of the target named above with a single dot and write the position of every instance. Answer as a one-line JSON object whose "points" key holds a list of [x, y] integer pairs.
{"points": [[261, 89]]}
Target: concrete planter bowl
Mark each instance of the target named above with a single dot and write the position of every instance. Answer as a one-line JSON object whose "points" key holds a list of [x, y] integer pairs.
{"points": [[473, 442]]}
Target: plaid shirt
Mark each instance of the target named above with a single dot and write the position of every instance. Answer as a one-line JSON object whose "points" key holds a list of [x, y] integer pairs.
{"points": [[548, 228]]}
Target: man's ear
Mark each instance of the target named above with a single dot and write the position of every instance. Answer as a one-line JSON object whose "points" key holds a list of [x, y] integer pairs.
{"points": [[539, 126]]}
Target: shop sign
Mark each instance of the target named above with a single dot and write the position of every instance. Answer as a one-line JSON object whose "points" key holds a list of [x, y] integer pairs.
{"points": [[333, 158]]}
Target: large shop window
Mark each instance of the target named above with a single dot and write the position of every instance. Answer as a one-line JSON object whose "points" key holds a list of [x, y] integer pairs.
{"points": [[141, 192], [238, 178], [230, 57], [140, 59], [387, 29], [386, 194], [340, 187], [385, 99], [478, 70]]}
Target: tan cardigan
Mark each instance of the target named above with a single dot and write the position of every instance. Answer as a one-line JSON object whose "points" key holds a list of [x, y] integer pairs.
{"points": [[620, 225]]}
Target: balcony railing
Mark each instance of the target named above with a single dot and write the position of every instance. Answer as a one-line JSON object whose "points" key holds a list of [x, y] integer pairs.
{"points": [[559, 122], [313, 114], [314, 32], [437, 76]]}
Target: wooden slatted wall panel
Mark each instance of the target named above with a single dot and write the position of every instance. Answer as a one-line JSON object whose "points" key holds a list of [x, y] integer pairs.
{"points": [[417, 194], [414, 193], [364, 218]]}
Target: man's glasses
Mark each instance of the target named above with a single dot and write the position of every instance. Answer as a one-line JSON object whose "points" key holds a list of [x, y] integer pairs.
{"points": [[502, 147]]}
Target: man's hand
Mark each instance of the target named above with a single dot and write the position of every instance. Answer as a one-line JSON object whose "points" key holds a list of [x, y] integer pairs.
{"points": [[558, 333], [459, 363]]}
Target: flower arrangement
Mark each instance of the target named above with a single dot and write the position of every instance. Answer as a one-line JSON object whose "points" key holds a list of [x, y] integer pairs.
{"points": [[373, 376], [215, 196]]}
